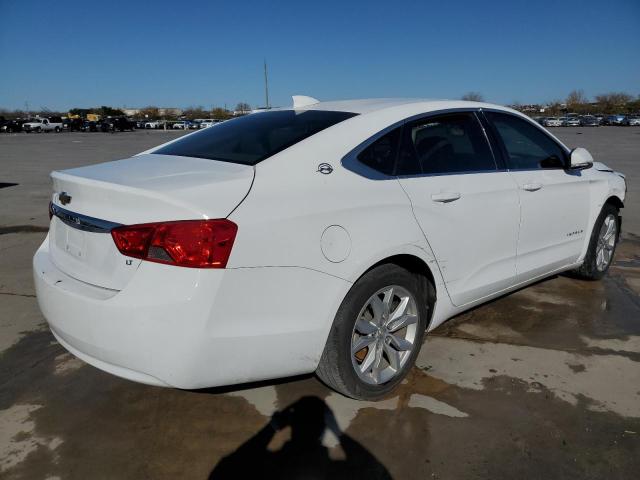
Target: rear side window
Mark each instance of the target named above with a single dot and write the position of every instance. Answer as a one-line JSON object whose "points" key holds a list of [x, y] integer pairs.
{"points": [[527, 146], [252, 138], [381, 154], [452, 143]]}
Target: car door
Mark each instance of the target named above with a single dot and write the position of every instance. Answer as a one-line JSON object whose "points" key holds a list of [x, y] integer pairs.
{"points": [[554, 202], [466, 206]]}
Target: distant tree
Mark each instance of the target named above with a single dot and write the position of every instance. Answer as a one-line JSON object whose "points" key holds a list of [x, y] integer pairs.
{"points": [[150, 112], [576, 97], [634, 105], [220, 113], [243, 107], [106, 111], [577, 101], [194, 112], [613, 102], [47, 112], [80, 111], [473, 97]]}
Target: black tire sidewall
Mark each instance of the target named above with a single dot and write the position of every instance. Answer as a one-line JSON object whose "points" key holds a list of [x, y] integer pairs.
{"points": [[360, 293]]}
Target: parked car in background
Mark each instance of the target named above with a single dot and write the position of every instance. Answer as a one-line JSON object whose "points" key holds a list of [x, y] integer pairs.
{"points": [[326, 237], [617, 119], [195, 125], [10, 126], [552, 122], [632, 121], [152, 124], [117, 124], [52, 124], [570, 122], [89, 126], [72, 124], [589, 121], [181, 125], [207, 123]]}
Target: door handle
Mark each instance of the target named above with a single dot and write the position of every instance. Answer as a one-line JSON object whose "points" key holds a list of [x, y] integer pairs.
{"points": [[532, 187], [445, 197]]}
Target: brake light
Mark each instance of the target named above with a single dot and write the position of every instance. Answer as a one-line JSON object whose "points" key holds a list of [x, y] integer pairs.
{"points": [[186, 243]]}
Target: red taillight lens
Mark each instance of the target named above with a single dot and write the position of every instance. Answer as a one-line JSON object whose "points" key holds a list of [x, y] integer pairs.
{"points": [[186, 243]]}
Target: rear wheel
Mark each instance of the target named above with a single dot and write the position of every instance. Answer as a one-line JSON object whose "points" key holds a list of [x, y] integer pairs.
{"points": [[57, 129], [602, 245], [377, 333]]}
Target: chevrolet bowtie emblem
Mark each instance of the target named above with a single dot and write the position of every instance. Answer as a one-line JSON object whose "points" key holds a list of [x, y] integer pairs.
{"points": [[64, 198]]}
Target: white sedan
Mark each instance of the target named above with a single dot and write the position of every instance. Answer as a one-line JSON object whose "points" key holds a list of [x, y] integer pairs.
{"points": [[328, 238], [552, 122]]}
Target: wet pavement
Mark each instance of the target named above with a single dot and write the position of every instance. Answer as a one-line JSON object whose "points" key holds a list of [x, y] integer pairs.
{"points": [[542, 383]]}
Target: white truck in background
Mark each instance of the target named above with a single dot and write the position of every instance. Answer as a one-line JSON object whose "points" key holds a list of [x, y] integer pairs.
{"points": [[52, 124]]}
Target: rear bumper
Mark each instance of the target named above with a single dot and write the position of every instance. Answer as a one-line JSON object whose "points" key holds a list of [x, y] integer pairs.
{"points": [[193, 328]]}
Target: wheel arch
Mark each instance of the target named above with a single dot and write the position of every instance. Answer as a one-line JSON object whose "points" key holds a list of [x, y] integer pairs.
{"points": [[418, 266], [615, 201]]}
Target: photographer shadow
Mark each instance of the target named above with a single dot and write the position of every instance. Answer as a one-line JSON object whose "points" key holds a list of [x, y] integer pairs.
{"points": [[304, 455]]}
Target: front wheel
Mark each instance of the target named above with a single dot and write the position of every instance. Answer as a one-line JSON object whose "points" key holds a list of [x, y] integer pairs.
{"points": [[602, 245], [377, 333]]}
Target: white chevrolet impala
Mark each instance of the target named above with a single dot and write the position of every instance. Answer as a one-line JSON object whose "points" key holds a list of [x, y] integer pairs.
{"points": [[327, 237]]}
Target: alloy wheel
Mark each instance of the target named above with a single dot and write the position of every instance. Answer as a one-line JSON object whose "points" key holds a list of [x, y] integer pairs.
{"points": [[606, 242], [384, 335]]}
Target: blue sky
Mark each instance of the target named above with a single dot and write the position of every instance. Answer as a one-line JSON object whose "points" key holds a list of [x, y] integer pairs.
{"points": [[60, 54]]}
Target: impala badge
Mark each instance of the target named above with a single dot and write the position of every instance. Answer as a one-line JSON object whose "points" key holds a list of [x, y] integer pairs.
{"points": [[64, 198]]}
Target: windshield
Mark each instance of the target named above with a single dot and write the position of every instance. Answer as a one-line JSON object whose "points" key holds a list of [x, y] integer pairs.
{"points": [[252, 138]]}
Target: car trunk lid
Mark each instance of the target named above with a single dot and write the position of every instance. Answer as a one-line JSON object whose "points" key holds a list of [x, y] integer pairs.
{"points": [[90, 200]]}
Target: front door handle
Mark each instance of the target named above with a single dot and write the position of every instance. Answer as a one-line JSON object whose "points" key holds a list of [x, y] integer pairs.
{"points": [[445, 197], [532, 187]]}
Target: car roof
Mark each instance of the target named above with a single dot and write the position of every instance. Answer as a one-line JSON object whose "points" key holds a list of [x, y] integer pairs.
{"points": [[370, 105]]}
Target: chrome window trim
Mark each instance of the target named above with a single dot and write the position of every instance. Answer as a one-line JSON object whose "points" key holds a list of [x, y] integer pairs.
{"points": [[82, 222]]}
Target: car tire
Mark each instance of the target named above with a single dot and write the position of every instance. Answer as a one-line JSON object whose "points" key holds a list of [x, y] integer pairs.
{"points": [[347, 372], [602, 244], [38, 130], [57, 129]]}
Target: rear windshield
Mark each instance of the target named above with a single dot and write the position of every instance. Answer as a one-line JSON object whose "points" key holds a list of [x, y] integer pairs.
{"points": [[252, 138]]}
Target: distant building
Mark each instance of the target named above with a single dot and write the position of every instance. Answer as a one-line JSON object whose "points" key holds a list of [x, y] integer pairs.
{"points": [[169, 111], [162, 111]]}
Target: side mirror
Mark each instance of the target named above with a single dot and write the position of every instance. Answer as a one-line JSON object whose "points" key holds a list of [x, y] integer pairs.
{"points": [[580, 159]]}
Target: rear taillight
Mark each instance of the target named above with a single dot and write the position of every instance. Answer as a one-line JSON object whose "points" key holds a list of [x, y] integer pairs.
{"points": [[186, 243]]}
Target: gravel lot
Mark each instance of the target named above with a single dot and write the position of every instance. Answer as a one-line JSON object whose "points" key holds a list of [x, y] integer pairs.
{"points": [[542, 383]]}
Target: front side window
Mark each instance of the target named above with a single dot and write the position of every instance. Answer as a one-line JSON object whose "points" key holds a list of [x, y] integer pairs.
{"points": [[250, 139], [527, 146], [450, 143]]}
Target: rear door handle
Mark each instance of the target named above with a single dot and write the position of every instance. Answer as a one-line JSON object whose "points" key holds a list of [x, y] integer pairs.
{"points": [[531, 187], [445, 197]]}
